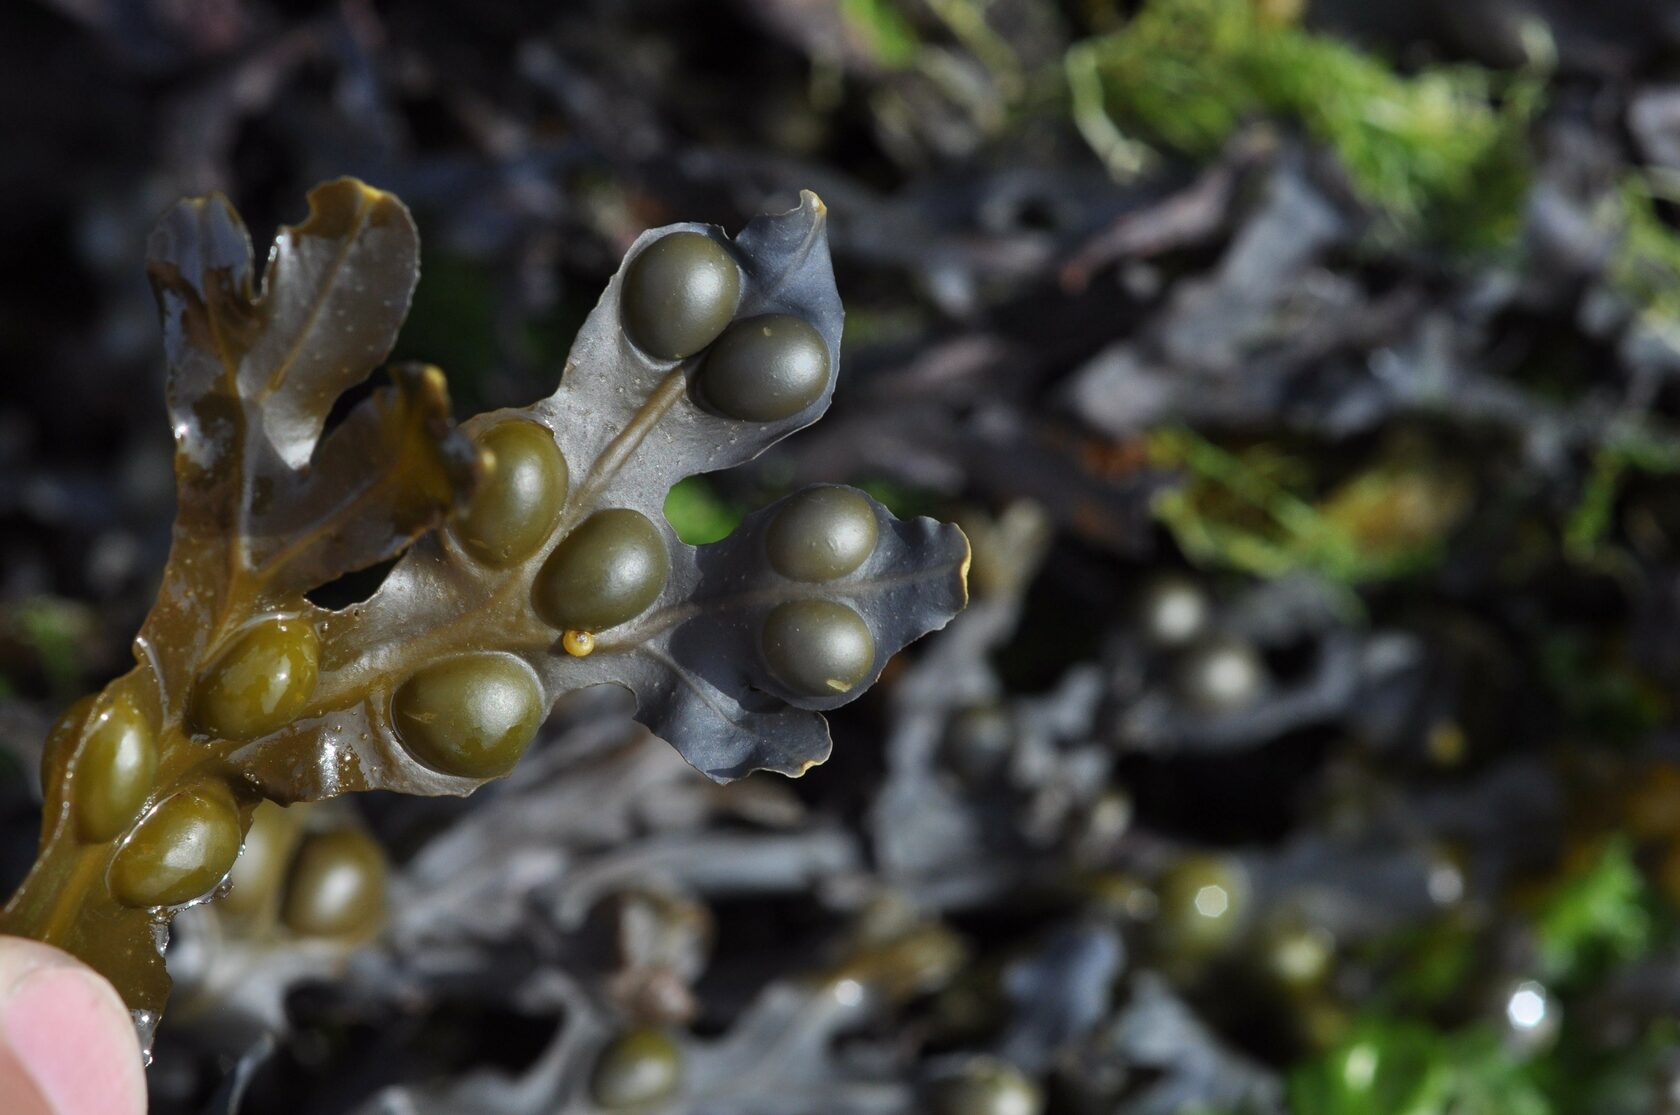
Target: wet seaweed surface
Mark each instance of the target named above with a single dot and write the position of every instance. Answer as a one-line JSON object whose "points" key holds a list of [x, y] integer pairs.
{"points": [[1303, 374]]}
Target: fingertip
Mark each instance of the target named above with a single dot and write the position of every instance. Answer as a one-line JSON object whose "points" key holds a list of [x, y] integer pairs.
{"points": [[67, 1042]]}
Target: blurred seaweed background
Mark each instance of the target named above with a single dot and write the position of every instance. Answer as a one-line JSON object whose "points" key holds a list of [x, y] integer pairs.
{"points": [[1306, 374]]}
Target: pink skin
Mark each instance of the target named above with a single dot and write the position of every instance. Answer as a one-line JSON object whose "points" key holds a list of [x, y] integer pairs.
{"points": [[67, 1045]]}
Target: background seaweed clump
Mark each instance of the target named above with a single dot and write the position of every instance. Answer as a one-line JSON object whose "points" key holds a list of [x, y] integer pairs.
{"points": [[1304, 373]]}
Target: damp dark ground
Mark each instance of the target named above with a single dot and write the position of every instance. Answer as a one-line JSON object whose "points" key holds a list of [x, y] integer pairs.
{"points": [[1306, 374]]}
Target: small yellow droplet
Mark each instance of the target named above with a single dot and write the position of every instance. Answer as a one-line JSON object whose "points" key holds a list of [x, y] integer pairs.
{"points": [[578, 644]]}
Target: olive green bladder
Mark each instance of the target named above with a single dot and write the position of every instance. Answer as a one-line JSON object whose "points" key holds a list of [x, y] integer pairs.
{"points": [[63, 738], [678, 294], [471, 716], [114, 770], [765, 369], [517, 503], [337, 886], [638, 1067], [821, 534], [607, 571], [180, 850], [261, 869], [259, 683], [817, 648]]}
